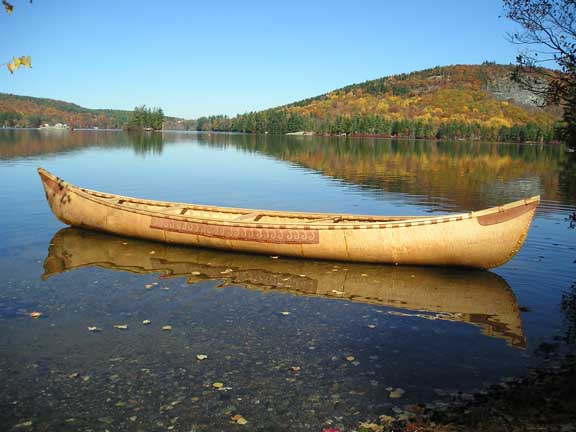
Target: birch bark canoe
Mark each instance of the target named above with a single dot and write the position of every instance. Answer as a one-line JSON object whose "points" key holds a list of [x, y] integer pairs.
{"points": [[479, 298], [481, 239]]}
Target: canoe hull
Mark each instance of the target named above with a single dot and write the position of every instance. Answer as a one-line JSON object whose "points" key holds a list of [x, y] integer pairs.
{"points": [[482, 239]]}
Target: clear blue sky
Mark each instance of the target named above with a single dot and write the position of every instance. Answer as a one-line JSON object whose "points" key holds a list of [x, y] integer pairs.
{"points": [[197, 58]]}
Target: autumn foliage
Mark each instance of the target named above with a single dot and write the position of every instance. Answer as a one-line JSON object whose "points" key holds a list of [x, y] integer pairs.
{"points": [[30, 112], [462, 101]]}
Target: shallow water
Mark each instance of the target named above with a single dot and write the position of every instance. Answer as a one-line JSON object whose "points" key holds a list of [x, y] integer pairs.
{"points": [[352, 333]]}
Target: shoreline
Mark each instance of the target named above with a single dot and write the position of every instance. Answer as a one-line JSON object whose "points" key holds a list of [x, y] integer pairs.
{"points": [[544, 400], [314, 134]]}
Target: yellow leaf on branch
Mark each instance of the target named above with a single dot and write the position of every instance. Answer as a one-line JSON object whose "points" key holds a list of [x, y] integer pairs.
{"points": [[26, 61], [11, 67], [9, 8]]}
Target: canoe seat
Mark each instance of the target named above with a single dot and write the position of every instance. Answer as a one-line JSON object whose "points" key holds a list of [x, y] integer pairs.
{"points": [[172, 209]]}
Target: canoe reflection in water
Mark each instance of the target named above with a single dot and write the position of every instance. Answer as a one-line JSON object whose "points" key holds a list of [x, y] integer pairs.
{"points": [[480, 298]]}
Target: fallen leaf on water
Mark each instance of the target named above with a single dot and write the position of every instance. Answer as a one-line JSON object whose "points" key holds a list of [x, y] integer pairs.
{"points": [[239, 419], [350, 358], [121, 326], [395, 394], [24, 424], [36, 314], [201, 356], [73, 375], [295, 368], [94, 329], [217, 385], [371, 326], [285, 313], [154, 283], [146, 322], [370, 426], [167, 328], [386, 419], [148, 286]]}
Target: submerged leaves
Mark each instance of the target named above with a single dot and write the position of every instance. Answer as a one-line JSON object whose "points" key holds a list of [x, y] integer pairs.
{"points": [[397, 393], [239, 419]]}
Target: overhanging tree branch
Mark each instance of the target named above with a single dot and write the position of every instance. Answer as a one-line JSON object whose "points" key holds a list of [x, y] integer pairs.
{"points": [[549, 33]]}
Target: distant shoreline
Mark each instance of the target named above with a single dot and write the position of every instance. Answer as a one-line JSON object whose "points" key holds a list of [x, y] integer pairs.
{"points": [[310, 135]]}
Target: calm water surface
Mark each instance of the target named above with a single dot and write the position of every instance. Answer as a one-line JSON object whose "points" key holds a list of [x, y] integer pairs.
{"points": [[297, 345]]}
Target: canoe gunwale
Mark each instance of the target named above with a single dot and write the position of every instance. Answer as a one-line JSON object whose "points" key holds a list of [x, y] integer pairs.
{"points": [[368, 221]]}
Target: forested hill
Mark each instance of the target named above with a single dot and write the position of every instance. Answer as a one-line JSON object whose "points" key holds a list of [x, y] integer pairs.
{"points": [[461, 101], [26, 111]]}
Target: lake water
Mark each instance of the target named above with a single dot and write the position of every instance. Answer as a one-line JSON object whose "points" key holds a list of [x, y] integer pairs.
{"points": [[297, 345]]}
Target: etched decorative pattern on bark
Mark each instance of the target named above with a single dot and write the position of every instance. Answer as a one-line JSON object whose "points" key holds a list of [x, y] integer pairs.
{"points": [[263, 235]]}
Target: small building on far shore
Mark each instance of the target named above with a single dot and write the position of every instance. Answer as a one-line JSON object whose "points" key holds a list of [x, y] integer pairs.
{"points": [[59, 126]]}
